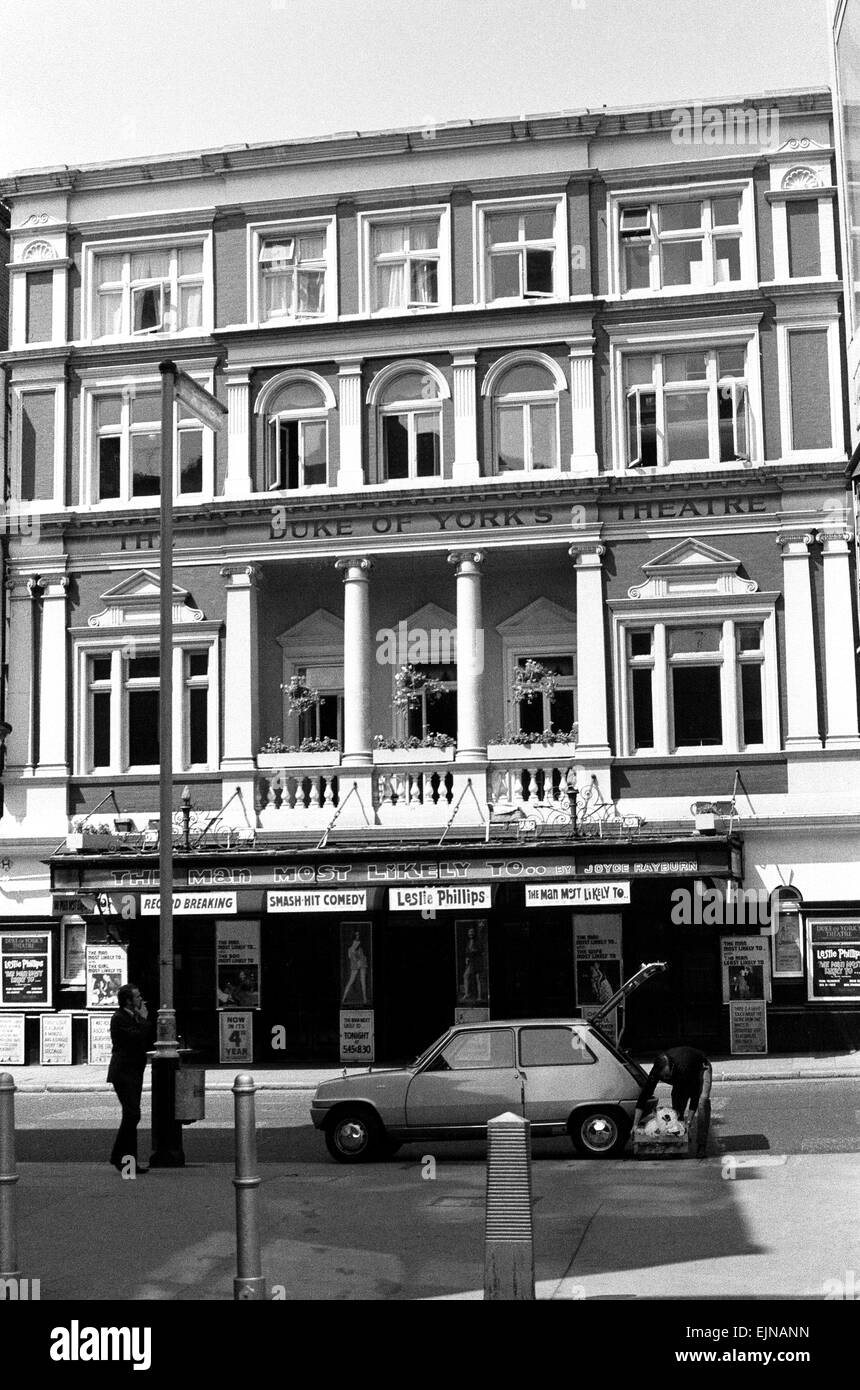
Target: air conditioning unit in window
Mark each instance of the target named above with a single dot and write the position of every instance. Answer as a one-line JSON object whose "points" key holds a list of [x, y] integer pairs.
{"points": [[635, 224]]}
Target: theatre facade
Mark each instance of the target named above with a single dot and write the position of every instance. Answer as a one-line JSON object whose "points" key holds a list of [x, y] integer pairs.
{"points": [[514, 617]]}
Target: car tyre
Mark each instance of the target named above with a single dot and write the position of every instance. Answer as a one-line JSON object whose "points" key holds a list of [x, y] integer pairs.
{"points": [[600, 1132], [354, 1136]]}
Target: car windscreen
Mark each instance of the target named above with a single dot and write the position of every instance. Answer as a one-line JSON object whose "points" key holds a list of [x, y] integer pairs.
{"points": [[428, 1052]]}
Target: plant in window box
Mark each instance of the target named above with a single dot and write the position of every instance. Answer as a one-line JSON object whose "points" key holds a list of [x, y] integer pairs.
{"points": [[311, 752], [409, 686], [531, 681], [89, 835], [516, 744], [432, 748]]}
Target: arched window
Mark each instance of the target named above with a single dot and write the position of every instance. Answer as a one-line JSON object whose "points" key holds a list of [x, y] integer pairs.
{"points": [[298, 436], [410, 426], [525, 419]]}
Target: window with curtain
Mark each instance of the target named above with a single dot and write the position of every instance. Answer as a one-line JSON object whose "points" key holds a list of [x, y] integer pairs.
{"points": [[404, 271], [410, 427], [292, 276], [526, 419], [148, 290]]}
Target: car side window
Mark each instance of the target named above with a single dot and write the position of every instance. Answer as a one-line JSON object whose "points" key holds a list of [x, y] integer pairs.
{"points": [[490, 1047], [553, 1047]]}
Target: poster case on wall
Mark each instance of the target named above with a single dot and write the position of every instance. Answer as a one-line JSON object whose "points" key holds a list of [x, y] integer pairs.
{"points": [[236, 1035], [598, 967], [833, 953], [55, 1040], [107, 972], [12, 1053], [25, 969], [748, 1027], [356, 1037], [237, 965], [745, 968], [98, 1040]]}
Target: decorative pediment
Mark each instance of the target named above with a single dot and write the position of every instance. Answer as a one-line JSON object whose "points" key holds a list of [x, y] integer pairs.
{"points": [[541, 616], [692, 567], [320, 631], [40, 250], [136, 601]]}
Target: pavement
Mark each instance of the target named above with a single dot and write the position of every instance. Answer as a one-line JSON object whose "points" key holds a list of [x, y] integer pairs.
{"points": [[815, 1066]]}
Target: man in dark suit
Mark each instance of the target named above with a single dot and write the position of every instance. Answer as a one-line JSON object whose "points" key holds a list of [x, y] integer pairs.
{"points": [[130, 1035]]}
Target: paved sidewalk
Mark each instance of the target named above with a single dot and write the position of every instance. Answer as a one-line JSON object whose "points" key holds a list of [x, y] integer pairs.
{"points": [[817, 1066]]}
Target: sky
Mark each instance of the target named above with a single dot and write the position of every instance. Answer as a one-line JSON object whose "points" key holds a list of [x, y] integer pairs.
{"points": [[89, 80]]}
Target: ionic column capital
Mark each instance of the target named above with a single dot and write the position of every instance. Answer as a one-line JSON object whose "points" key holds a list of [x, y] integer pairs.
{"points": [[587, 554], [23, 586], [835, 539], [54, 586], [467, 561], [356, 568], [795, 544], [241, 576]]}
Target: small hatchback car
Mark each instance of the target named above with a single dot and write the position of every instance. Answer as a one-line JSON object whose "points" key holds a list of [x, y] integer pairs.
{"points": [[563, 1075]]}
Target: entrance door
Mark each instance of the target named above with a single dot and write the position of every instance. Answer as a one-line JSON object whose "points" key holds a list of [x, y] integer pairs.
{"points": [[531, 967], [472, 1080]]}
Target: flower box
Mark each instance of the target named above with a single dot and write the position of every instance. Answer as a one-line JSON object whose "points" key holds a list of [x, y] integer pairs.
{"points": [[275, 762], [391, 756], [535, 752]]}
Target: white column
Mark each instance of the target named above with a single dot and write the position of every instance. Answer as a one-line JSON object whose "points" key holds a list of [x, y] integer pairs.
{"points": [[839, 654], [471, 735], [350, 473], [592, 739], [237, 482], [240, 669], [466, 465], [800, 663], [583, 458], [356, 661], [660, 692], [20, 693], [53, 683]]}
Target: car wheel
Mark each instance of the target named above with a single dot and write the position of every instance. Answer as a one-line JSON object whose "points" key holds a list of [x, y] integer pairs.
{"points": [[354, 1136], [599, 1133]]}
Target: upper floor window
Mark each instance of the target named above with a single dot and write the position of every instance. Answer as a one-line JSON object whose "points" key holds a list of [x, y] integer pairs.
{"points": [[686, 407], [434, 710], [406, 260], [295, 275], [810, 376], [523, 252], [295, 406], [148, 289], [526, 419], [125, 455], [685, 243], [410, 426], [120, 727], [298, 445], [552, 705]]}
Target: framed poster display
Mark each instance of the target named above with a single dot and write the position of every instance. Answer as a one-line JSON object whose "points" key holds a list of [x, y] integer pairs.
{"points": [[12, 1053], [98, 1039], [25, 970], [55, 1040]]}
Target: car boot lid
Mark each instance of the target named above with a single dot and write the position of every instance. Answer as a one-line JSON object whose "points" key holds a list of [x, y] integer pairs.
{"points": [[644, 973]]}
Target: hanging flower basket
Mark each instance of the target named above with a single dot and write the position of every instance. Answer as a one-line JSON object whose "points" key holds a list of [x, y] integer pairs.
{"points": [[300, 696], [532, 680], [410, 684]]}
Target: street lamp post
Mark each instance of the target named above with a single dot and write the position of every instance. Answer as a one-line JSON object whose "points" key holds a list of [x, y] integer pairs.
{"points": [[167, 1149]]}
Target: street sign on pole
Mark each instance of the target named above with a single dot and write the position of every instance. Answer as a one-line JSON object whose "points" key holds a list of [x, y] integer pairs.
{"points": [[202, 403]]}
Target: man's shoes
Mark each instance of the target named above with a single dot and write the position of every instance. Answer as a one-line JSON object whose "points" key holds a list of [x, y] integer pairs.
{"points": [[142, 1168]]}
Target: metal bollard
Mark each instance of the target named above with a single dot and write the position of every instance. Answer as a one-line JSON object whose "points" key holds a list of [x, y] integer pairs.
{"points": [[509, 1261], [249, 1282], [8, 1178]]}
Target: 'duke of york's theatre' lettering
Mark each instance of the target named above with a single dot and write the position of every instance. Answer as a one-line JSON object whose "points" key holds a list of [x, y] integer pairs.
{"points": [[666, 509]]}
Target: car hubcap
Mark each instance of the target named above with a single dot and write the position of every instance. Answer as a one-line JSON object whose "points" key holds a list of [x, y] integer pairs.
{"points": [[351, 1137], [599, 1133]]}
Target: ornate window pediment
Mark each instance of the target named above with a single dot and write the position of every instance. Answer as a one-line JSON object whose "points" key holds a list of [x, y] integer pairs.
{"points": [[692, 567], [538, 617], [135, 602]]}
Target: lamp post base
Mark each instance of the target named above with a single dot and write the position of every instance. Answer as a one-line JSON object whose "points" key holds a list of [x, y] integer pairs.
{"points": [[167, 1151]]}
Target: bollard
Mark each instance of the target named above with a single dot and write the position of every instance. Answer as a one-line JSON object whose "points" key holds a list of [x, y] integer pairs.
{"points": [[249, 1282], [509, 1261], [8, 1177]]}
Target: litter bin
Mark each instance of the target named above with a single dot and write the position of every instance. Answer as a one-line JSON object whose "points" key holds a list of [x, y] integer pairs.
{"points": [[190, 1095]]}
